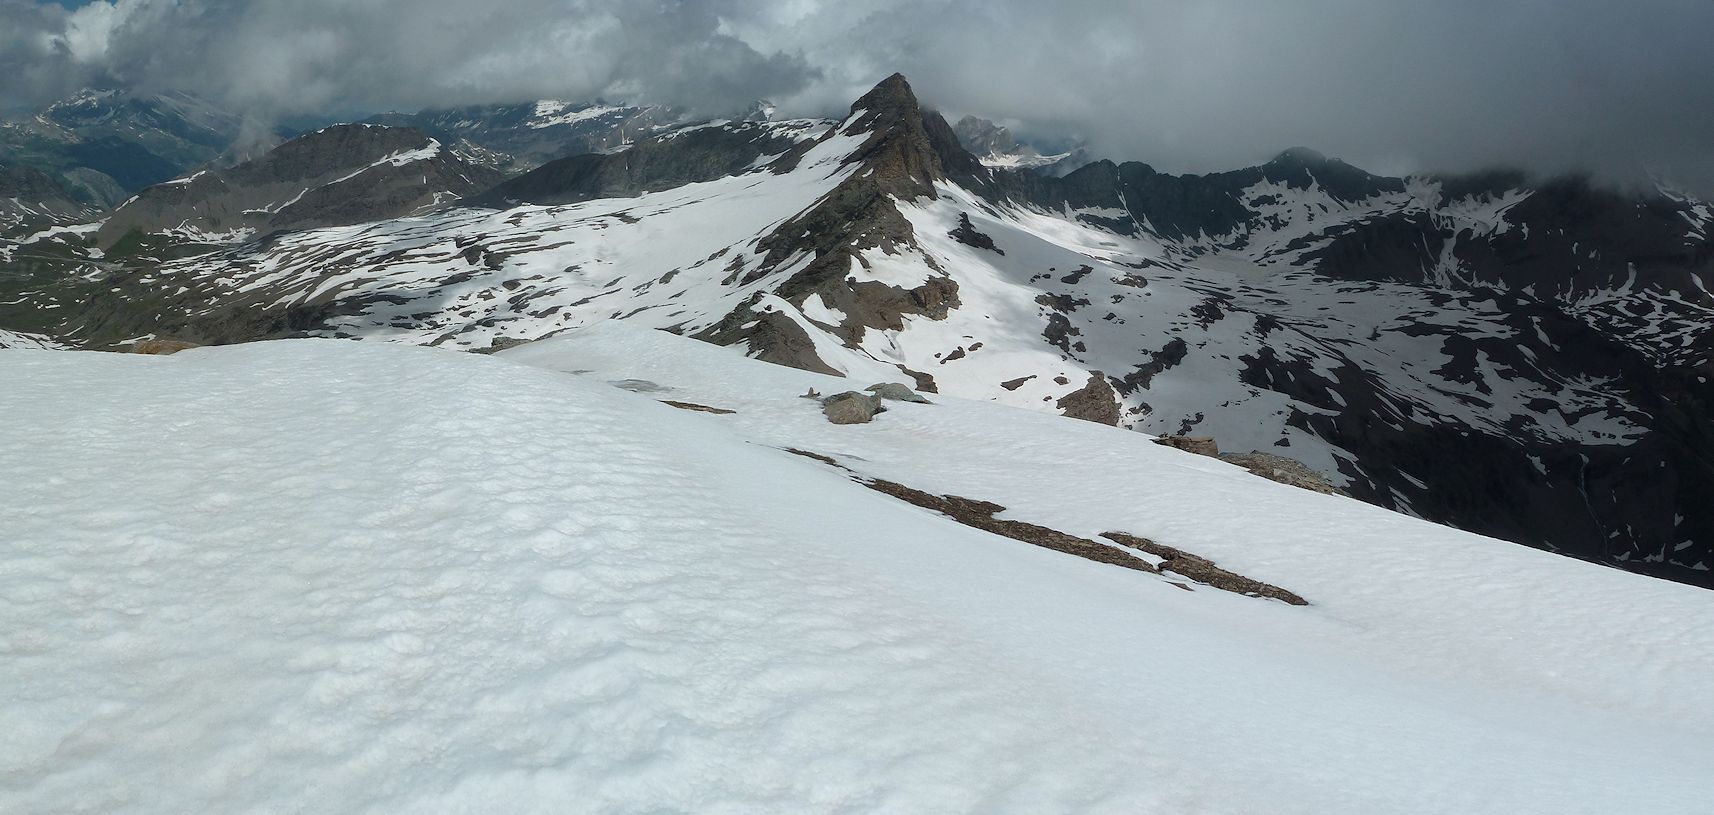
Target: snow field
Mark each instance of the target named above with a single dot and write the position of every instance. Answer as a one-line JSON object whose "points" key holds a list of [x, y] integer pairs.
{"points": [[366, 577]]}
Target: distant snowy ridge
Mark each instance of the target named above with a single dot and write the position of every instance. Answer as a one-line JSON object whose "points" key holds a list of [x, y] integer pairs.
{"points": [[336, 175]]}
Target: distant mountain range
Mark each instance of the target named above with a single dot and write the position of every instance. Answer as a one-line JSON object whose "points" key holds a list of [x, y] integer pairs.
{"points": [[1526, 359], [532, 134], [104, 145]]}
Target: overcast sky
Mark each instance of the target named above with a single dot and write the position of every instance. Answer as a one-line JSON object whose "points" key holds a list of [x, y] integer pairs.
{"points": [[1392, 85]]}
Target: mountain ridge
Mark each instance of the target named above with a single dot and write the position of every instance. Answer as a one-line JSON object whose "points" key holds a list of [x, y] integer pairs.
{"points": [[1447, 347]]}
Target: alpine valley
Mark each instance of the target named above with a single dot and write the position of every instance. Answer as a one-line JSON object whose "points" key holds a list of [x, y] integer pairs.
{"points": [[1523, 358]]}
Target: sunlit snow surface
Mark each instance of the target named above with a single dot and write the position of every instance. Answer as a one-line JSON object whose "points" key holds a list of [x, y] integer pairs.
{"points": [[328, 576]]}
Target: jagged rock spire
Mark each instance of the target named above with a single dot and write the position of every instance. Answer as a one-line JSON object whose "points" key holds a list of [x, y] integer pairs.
{"points": [[909, 148]]}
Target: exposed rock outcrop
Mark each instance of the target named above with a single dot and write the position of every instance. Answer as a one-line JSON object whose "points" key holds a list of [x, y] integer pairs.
{"points": [[1200, 445], [1288, 471], [1094, 402], [1267, 465], [904, 152]]}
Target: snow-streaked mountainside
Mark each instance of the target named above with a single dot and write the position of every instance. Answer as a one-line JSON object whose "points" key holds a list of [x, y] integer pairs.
{"points": [[338, 577], [1524, 360], [528, 135], [31, 200], [338, 175], [995, 146], [27, 341]]}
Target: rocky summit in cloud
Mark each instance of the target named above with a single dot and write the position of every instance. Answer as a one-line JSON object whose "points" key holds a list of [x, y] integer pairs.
{"points": [[1619, 90]]}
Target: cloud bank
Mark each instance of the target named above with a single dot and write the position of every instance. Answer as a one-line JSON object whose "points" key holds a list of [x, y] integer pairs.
{"points": [[1548, 85]]}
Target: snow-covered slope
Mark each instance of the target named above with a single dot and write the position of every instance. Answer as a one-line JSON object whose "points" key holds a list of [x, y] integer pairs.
{"points": [[1530, 362], [337, 577]]}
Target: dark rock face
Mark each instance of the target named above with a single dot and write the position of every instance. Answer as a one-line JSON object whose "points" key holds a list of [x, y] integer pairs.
{"points": [[339, 175], [967, 235]]}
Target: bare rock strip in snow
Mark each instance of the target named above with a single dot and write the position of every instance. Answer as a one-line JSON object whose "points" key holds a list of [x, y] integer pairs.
{"points": [[1528, 360], [1267, 465]]}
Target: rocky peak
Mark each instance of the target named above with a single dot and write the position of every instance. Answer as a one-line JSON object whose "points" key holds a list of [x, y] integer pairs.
{"points": [[1302, 168], [1298, 157], [909, 148], [906, 151], [760, 110], [982, 136]]}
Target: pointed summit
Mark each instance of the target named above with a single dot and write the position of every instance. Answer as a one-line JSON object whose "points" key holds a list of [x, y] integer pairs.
{"points": [[1300, 157], [1302, 168], [909, 148], [893, 95]]}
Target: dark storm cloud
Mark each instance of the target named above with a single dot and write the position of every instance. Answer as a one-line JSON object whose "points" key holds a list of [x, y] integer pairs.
{"points": [[307, 55], [1551, 85]]}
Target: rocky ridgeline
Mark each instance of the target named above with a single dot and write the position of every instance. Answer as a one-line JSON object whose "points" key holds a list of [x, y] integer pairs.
{"points": [[339, 175]]}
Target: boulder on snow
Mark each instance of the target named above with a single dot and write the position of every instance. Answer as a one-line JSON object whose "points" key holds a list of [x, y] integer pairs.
{"points": [[897, 393], [851, 407], [1200, 445]]}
